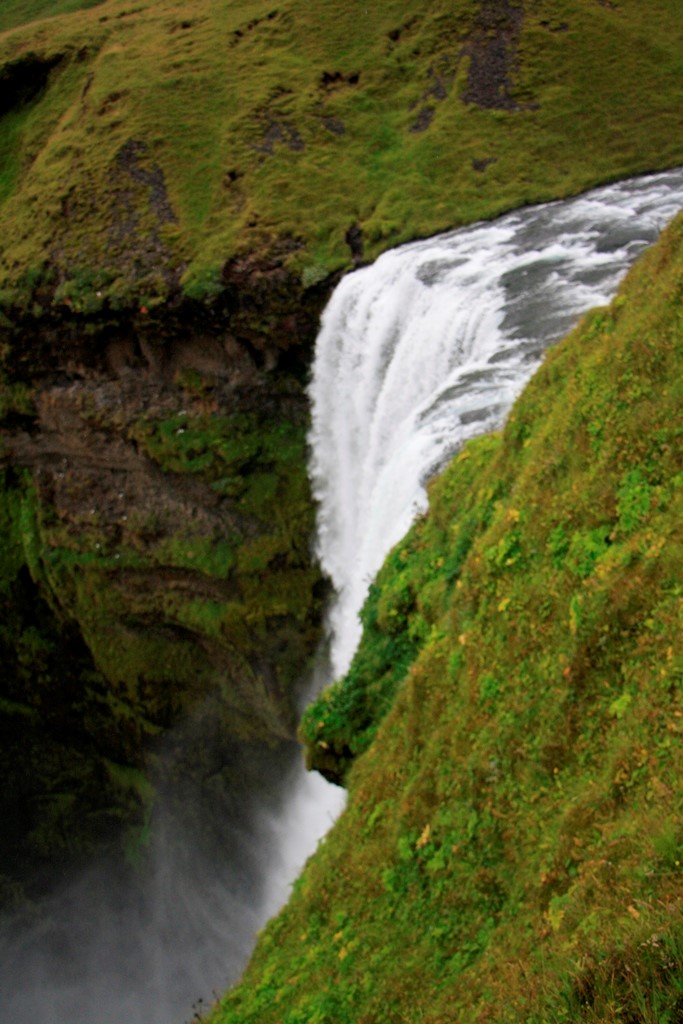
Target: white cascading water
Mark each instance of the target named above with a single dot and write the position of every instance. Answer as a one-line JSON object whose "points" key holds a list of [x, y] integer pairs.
{"points": [[431, 344], [417, 353]]}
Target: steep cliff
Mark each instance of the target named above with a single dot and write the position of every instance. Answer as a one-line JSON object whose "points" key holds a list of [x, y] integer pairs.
{"points": [[512, 847], [158, 522], [179, 191]]}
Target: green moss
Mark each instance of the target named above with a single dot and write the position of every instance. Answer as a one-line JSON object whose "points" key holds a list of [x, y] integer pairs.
{"points": [[247, 598], [206, 555], [403, 608], [57, 802], [145, 619], [11, 554]]}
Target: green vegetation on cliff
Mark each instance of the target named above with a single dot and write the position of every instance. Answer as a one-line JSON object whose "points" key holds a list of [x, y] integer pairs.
{"points": [[180, 187], [138, 592], [512, 848], [62, 794]]}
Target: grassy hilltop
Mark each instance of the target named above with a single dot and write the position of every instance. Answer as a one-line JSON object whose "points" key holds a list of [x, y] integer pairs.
{"points": [[143, 145], [512, 849]]}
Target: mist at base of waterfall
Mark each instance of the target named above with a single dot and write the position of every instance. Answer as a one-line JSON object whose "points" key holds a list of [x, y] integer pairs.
{"points": [[156, 943]]}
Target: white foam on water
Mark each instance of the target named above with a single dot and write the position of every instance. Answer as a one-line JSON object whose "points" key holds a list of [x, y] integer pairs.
{"points": [[430, 346]]}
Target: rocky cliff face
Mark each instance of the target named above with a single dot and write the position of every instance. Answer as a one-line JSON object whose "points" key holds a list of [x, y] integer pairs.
{"points": [[157, 566]]}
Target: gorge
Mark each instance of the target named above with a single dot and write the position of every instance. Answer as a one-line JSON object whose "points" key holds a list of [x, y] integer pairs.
{"points": [[417, 353], [195, 506]]}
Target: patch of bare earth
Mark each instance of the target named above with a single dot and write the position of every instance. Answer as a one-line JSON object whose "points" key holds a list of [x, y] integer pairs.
{"points": [[491, 49]]}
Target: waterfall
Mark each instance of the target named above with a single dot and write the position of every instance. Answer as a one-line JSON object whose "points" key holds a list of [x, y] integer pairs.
{"points": [[417, 353], [431, 344]]}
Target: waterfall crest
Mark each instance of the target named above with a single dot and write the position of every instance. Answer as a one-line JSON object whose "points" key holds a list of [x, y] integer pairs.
{"points": [[429, 347]]}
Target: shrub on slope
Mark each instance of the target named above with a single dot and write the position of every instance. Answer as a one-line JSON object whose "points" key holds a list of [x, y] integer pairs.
{"points": [[512, 845]]}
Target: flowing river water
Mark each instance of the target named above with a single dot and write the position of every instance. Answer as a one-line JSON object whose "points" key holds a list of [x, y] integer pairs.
{"points": [[417, 353]]}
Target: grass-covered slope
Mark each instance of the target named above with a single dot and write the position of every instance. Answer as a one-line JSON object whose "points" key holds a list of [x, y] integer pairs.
{"points": [[143, 145], [513, 850], [19, 12]]}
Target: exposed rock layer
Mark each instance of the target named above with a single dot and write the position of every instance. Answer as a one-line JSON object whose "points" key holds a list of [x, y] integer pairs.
{"points": [[158, 564]]}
